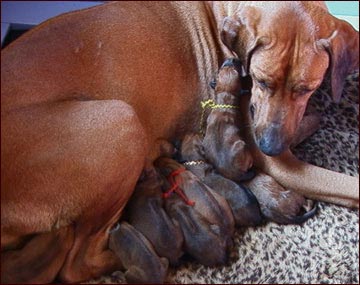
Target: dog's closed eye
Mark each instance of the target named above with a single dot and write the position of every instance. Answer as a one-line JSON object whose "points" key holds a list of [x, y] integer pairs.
{"points": [[302, 91], [263, 84]]}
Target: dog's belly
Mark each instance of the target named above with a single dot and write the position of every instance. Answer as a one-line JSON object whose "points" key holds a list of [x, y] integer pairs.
{"points": [[123, 51]]}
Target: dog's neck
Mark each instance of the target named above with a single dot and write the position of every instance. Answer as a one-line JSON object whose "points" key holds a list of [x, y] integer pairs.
{"points": [[226, 98], [208, 51], [212, 51]]}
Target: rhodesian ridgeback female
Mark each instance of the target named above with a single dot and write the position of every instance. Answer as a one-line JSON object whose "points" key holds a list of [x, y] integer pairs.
{"points": [[86, 96]]}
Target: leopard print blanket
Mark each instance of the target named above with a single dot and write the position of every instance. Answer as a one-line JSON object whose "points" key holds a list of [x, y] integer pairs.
{"points": [[325, 249]]}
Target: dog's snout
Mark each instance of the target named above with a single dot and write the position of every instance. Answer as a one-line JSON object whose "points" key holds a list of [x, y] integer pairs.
{"points": [[271, 142]]}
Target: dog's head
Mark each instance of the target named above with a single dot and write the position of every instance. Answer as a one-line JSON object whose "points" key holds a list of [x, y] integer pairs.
{"points": [[228, 77], [191, 148], [287, 49]]}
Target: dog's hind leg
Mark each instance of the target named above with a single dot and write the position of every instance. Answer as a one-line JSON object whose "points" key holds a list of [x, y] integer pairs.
{"points": [[70, 163], [39, 260], [138, 255]]}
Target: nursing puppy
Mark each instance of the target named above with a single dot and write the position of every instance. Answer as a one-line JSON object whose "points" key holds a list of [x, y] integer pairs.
{"points": [[242, 201], [203, 215], [278, 204], [138, 257], [146, 214], [223, 146]]}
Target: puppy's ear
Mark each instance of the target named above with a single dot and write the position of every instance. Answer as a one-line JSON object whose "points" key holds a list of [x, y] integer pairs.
{"points": [[229, 32], [239, 34], [343, 49]]}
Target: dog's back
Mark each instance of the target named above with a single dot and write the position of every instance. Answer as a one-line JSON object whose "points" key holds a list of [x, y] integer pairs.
{"points": [[74, 92]]}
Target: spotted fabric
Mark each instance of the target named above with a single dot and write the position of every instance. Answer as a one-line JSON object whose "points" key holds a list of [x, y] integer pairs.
{"points": [[325, 249]]}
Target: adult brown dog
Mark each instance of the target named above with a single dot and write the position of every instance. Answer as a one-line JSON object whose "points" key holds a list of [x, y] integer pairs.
{"points": [[86, 95]]}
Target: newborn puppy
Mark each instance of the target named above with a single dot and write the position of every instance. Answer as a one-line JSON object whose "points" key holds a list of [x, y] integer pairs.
{"points": [[204, 216], [277, 204], [223, 147], [137, 255], [242, 201], [203, 240], [146, 214]]}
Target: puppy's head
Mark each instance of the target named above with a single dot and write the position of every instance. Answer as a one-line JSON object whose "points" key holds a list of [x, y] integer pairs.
{"points": [[166, 165], [287, 49], [228, 77], [192, 148]]}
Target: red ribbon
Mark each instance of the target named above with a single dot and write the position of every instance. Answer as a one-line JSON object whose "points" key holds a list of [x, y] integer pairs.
{"points": [[175, 187]]}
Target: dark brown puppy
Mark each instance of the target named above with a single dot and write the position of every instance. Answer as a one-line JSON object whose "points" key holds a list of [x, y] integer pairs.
{"points": [[137, 255], [203, 240], [223, 146], [208, 224], [242, 201], [146, 214], [278, 204]]}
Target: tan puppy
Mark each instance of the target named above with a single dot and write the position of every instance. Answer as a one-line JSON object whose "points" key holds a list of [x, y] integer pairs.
{"points": [[85, 97], [223, 146]]}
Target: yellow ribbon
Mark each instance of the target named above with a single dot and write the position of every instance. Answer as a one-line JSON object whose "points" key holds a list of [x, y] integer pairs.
{"points": [[210, 104]]}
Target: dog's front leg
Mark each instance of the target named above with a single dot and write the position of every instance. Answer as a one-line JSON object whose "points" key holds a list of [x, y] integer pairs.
{"points": [[311, 181]]}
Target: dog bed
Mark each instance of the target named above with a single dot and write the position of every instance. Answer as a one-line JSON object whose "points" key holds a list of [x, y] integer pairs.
{"points": [[325, 249]]}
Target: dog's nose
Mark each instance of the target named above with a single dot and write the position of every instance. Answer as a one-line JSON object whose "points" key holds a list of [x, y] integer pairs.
{"points": [[271, 142]]}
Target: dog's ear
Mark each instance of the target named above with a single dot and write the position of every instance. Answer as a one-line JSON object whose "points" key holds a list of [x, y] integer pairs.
{"points": [[239, 34], [343, 49]]}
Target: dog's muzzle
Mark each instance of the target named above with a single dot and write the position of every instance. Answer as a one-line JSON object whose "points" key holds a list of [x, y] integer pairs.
{"points": [[271, 141]]}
